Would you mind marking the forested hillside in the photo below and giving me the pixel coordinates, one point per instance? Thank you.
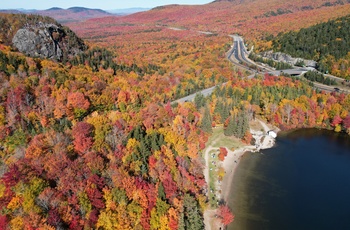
(327, 43)
(252, 19)
(81, 148)
(94, 142)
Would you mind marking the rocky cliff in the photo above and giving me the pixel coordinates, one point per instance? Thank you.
(45, 41)
(41, 37)
(282, 57)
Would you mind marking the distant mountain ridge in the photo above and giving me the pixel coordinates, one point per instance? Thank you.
(75, 14)
(72, 14)
(245, 16)
(253, 19)
(54, 8)
(128, 11)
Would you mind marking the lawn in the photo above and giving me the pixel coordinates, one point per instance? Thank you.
(218, 139)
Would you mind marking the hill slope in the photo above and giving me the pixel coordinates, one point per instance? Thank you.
(73, 14)
(253, 18)
(328, 43)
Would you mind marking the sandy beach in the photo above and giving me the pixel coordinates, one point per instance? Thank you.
(230, 164)
(233, 157)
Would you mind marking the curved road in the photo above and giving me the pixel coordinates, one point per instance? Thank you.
(238, 56)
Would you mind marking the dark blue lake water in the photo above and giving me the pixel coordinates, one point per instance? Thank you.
(302, 183)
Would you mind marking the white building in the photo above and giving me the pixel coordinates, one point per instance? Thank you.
(272, 134)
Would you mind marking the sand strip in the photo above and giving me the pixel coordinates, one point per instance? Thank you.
(230, 165)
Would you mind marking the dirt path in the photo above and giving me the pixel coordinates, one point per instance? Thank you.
(209, 214)
(230, 165)
(268, 141)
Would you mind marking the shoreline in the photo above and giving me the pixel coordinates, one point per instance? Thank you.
(233, 158)
(230, 165)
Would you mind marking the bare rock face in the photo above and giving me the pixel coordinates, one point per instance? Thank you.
(47, 41)
(282, 57)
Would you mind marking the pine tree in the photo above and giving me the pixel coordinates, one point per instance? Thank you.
(199, 100)
(207, 121)
(193, 217)
(242, 124)
(181, 222)
(231, 127)
(225, 112)
(161, 192)
(245, 123)
(238, 130)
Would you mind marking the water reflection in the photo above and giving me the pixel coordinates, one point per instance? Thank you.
(302, 183)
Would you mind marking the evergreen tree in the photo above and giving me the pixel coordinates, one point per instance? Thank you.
(181, 222)
(225, 113)
(245, 124)
(206, 124)
(193, 217)
(238, 125)
(161, 192)
(238, 129)
(218, 107)
(231, 127)
(199, 100)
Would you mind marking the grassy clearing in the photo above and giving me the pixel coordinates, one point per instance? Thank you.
(255, 125)
(218, 139)
(213, 177)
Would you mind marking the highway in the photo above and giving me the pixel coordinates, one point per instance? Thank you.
(238, 56)
(237, 53)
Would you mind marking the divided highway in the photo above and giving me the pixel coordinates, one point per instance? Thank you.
(238, 56)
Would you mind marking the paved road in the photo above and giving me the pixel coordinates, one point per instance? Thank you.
(205, 92)
(238, 56)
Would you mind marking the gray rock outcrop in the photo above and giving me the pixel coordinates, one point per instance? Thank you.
(282, 57)
(45, 41)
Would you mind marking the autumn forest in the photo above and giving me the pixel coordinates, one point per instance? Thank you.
(93, 140)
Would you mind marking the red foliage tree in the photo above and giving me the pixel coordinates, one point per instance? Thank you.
(145, 219)
(247, 137)
(12, 176)
(3, 222)
(169, 185)
(222, 154)
(225, 214)
(93, 218)
(53, 218)
(77, 100)
(95, 185)
(169, 110)
(346, 122)
(336, 120)
(75, 223)
(81, 133)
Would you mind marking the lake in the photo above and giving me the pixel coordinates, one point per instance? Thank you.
(301, 183)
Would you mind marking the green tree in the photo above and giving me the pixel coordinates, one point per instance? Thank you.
(199, 100)
(231, 127)
(193, 217)
(206, 124)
